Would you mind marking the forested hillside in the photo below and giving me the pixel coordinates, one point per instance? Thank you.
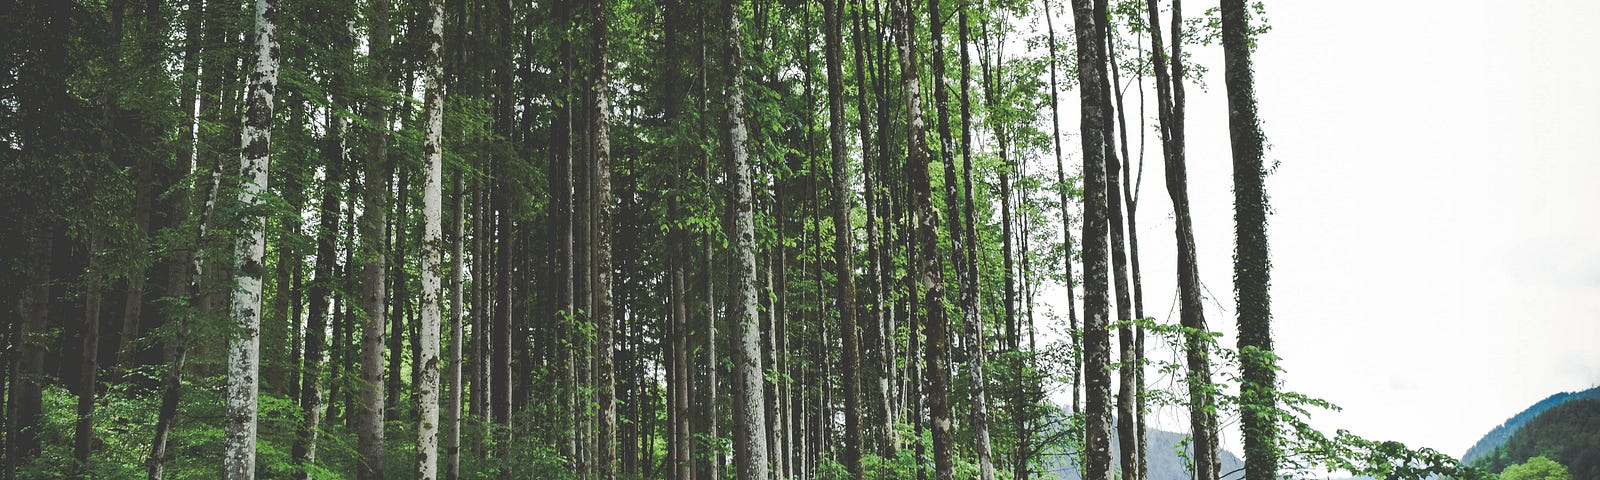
(1568, 434)
(1497, 437)
(625, 239)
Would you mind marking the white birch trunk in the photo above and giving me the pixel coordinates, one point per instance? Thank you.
(239, 457)
(432, 247)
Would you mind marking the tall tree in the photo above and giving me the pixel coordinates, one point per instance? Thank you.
(1062, 189)
(969, 288)
(369, 415)
(1097, 458)
(427, 397)
(600, 149)
(931, 267)
(749, 422)
(1127, 367)
(843, 252)
(1252, 264)
(244, 344)
(1169, 90)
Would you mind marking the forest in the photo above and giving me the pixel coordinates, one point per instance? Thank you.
(637, 239)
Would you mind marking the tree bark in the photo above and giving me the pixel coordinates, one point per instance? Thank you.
(304, 451)
(750, 427)
(1095, 248)
(931, 267)
(239, 456)
(1252, 264)
(1169, 86)
(370, 414)
(844, 231)
(1066, 223)
(605, 381)
(978, 362)
(427, 392)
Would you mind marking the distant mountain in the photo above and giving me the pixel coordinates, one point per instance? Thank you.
(1500, 434)
(1164, 462)
(1568, 433)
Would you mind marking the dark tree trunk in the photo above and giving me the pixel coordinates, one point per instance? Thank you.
(843, 250)
(1252, 265)
(931, 267)
(1169, 87)
(969, 292)
(1097, 458)
(305, 446)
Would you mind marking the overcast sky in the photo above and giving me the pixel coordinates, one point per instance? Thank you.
(1435, 241)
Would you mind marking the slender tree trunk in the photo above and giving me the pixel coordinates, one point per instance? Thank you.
(750, 428)
(1095, 247)
(186, 270)
(370, 414)
(680, 445)
(931, 267)
(1130, 189)
(89, 368)
(25, 396)
(239, 459)
(1128, 380)
(843, 251)
(427, 392)
(1252, 264)
(398, 283)
(458, 317)
(876, 342)
(1066, 224)
(305, 447)
(978, 362)
(601, 149)
(1169, 88)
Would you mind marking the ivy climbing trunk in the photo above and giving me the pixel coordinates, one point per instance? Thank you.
(1252, 264)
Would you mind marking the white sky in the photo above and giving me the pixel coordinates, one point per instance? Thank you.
(1435, 239)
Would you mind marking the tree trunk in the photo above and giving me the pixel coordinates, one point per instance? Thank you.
(305, 446)
(1126, 424)
(1252, 265)
(843, 251)
(750, 427)
(427, 392)
(1095, 248)
(605, 381)
(931, 267)
(1130, 190)
(1066, 224)
(239, 459)
(1169, 88)
(369, 418)
(979, 359)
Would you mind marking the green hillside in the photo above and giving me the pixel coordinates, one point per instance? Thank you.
(1568, 433)
(1497, 437)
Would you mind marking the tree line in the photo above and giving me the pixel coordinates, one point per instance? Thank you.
(613, 239)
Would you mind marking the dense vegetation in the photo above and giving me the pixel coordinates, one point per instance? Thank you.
(1498, 436)
(1568, 434)
(618, 239)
